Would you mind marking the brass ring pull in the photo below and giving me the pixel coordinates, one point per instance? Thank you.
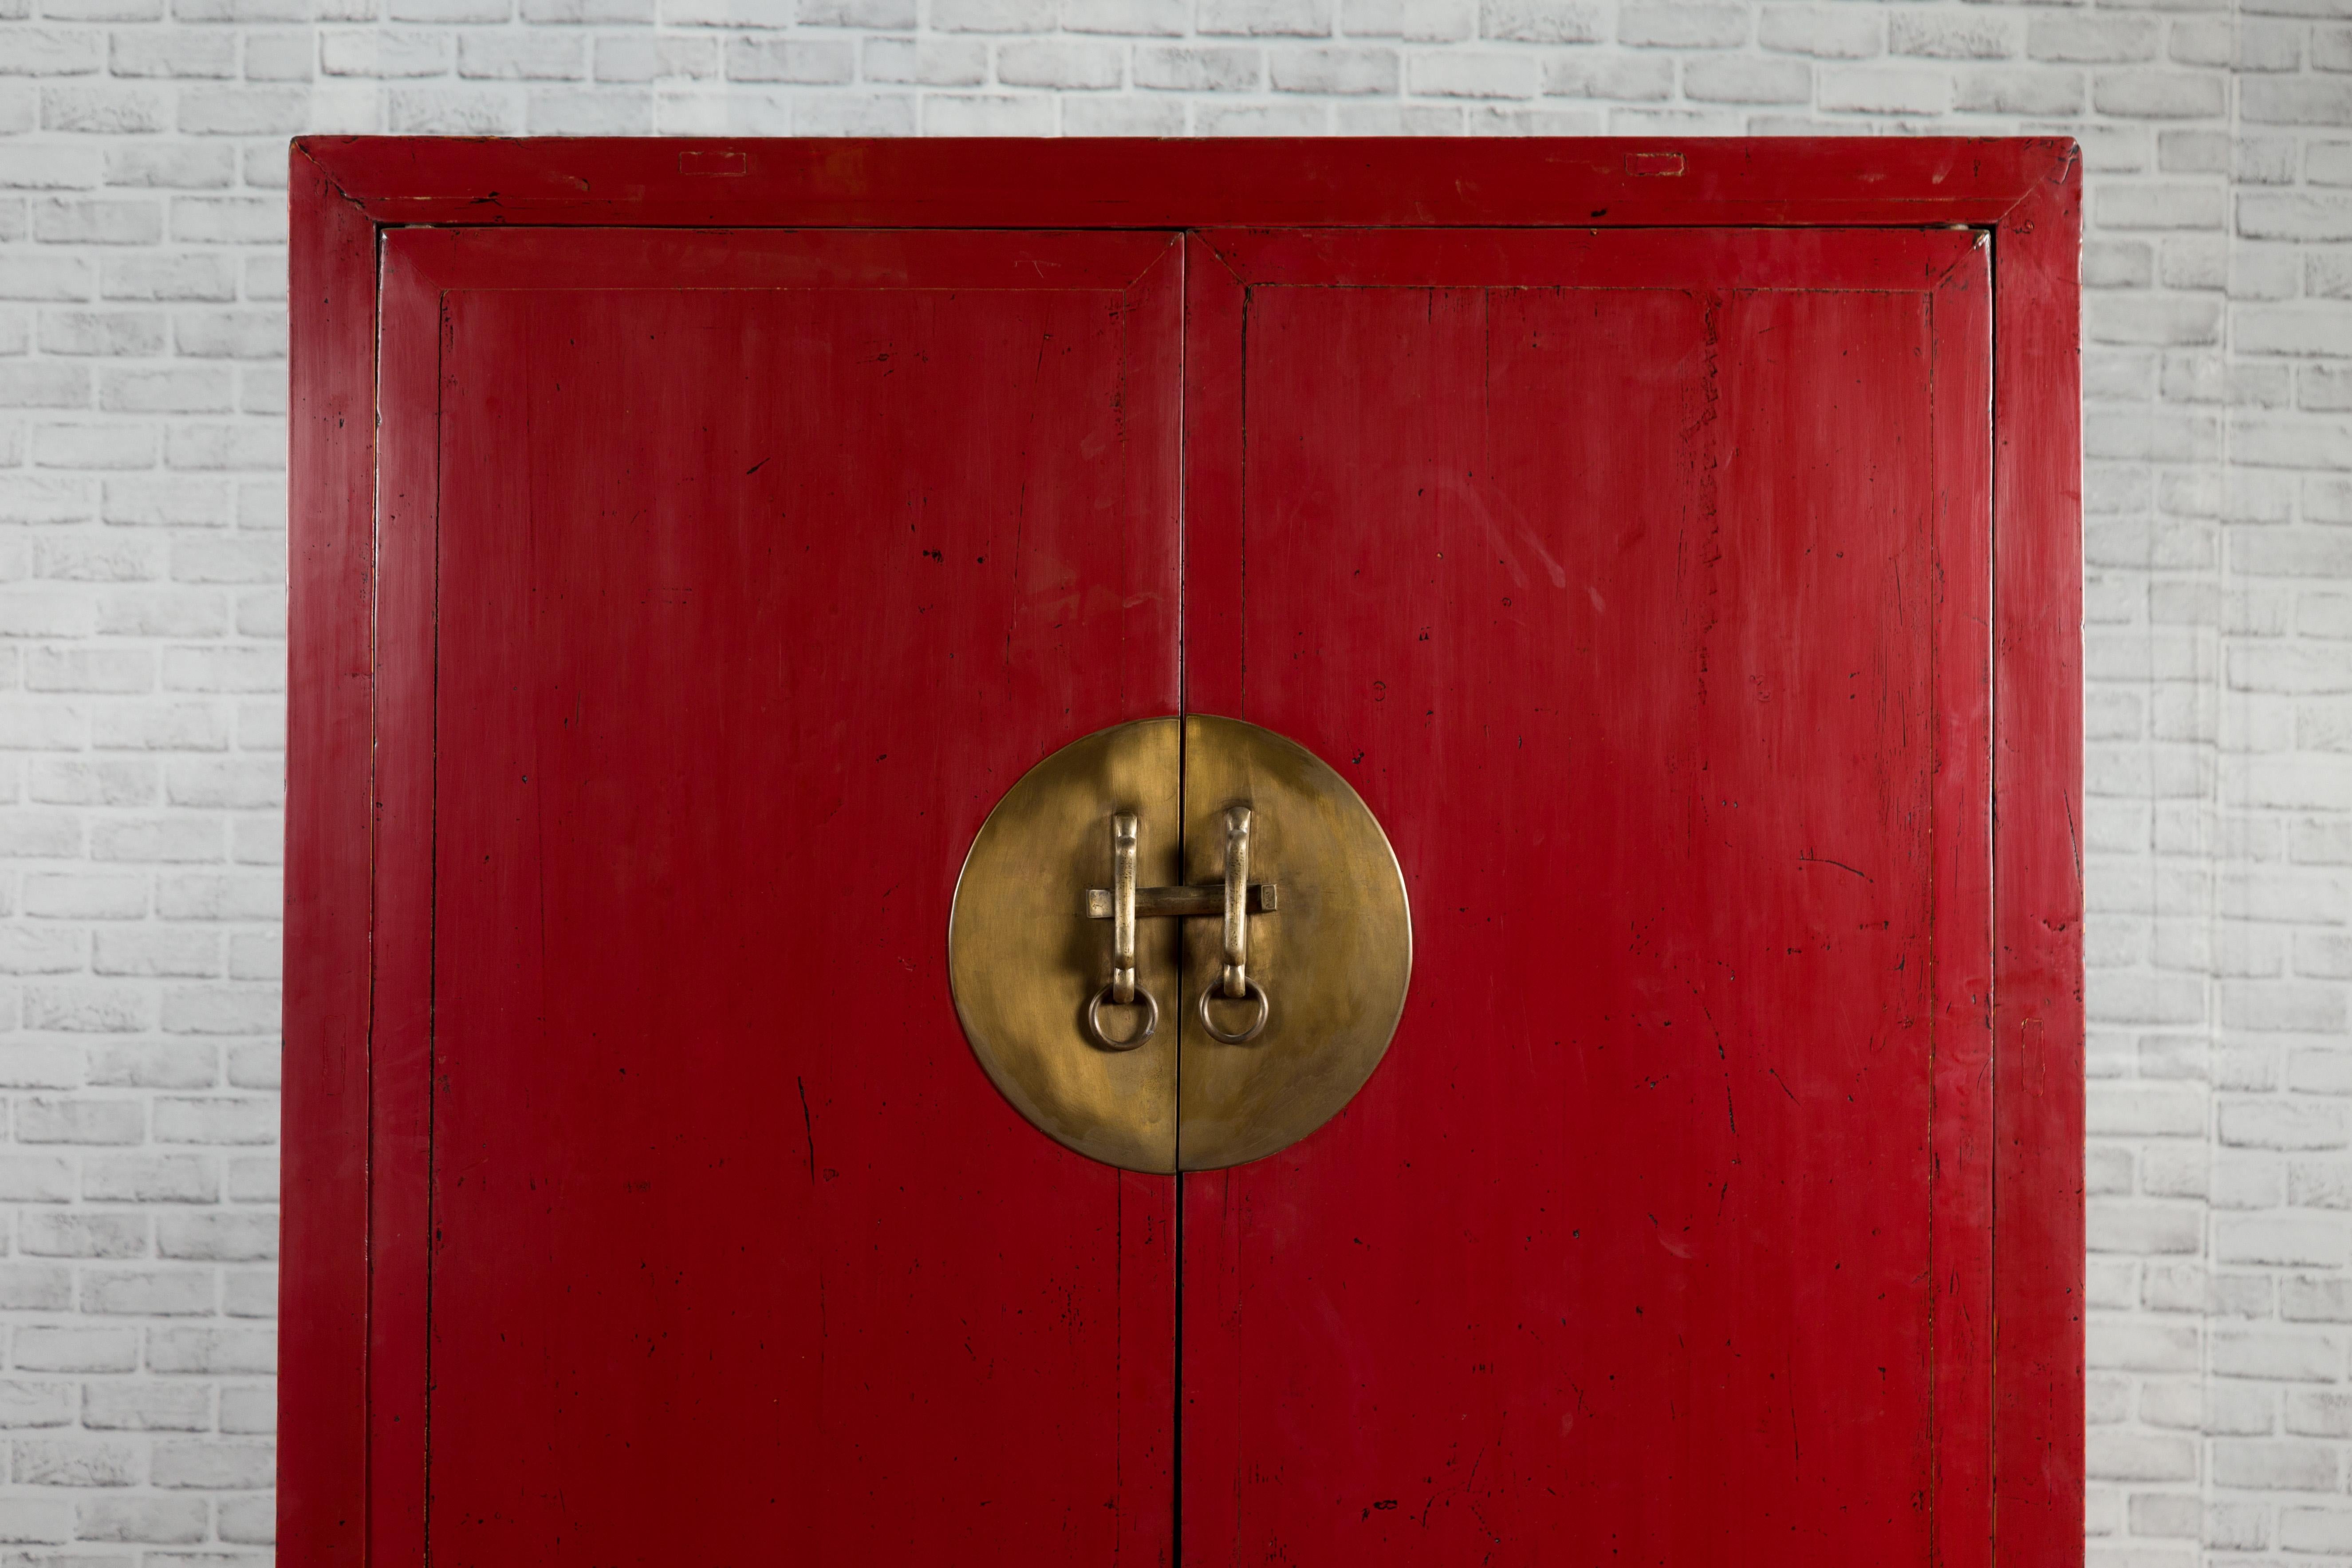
(1250, 988)
(1150, 1019)
(1122, 991)
(1234, 985)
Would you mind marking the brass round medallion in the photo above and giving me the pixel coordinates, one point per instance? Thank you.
(1273, 967)
(1026, 959)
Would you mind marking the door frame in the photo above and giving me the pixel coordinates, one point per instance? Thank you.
(2025, 192)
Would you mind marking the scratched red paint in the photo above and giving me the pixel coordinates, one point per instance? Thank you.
(1645, 598)
(724, 1213)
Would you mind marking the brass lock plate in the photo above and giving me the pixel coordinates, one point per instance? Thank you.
(1319, 918)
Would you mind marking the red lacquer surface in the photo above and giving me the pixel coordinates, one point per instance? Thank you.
(569, 713)
(1642, 587)
(751, 600)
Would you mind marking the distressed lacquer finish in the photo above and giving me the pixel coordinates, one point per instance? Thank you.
(360, 1196)
(1641, 586)
(750, 601)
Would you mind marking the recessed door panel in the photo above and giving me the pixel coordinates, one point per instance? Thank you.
(765, 563)
(1640, 584)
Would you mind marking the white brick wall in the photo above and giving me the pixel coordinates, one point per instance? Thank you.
(141, 608)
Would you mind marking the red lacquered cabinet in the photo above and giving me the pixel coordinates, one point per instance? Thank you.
(1674, 546)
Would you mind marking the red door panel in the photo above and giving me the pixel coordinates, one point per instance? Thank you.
(1641, 584)
(764, 564)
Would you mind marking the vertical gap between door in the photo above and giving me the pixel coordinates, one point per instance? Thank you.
(1183, 579)
(1176, 1429)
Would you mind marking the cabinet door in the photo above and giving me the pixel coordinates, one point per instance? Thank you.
(728, 580)
(1640, 581)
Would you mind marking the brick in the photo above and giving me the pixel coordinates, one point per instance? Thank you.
(173, 840)
(934, 62)
(154, 1064)
(105, 109)
(33, 834)
(2089, 39)
(2144, 1228)
(2282, 1005)
(1456, 73)
(36, 1179)
(215, 1120)
(1060, 63)
(2275, 1466)
(790, 60)
(1828, 32)
(1296, 18)
(2132, 1456)
(1543, 21)
(2294, 101)
(213, 1464)
(522, 57)
(44, 1349)
(1335, 70)
(149, 1179)
(899, 14)
(162, 1519)
(25, 1404)
(1634, 78)
(249, 1292)
(386, 53)
(2293, 330)
(93, 781)
(35, 1520)
(249, 1519)
(35, 1288)
(1293, 119)
(248, 1409)
(2171, 205)
(148, 1292)
(1884, 90)
(991, 114)
(147, 1407)
(2019, 89)
(42, 1120)
(2285, 1240)
(2315, 1529)
(1208, 67)
(2278, 1354)
(1967, 36)
(46, 278)
(2158, 94)
(215, 1351)
(229, 896)
(1724, 79)
(2144, 1346)
(629, 57)
(1683, 26)
(175, 52)
(253, 1179)
(455, 112)
(993, 16)
(41, 384)
(1420, 21)
(53, 51)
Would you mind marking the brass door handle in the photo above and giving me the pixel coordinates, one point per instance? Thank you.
(1235, 982)
(1122, 991)
(1123, 902)
(1062, 959)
